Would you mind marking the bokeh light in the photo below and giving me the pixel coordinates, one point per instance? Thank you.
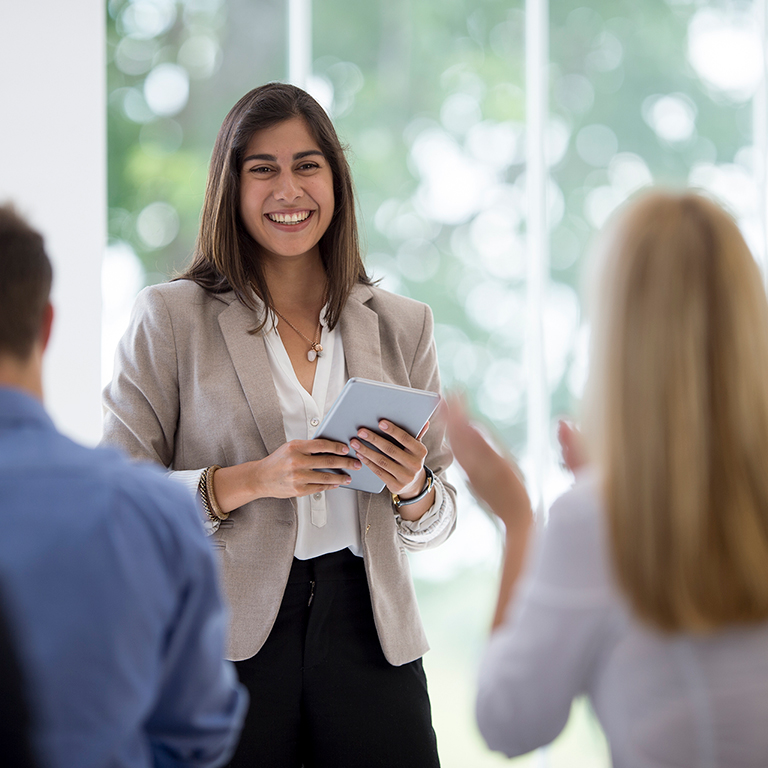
(166, 89)
(724, 48)
(157, 224)
(146, 19)
(672, 117)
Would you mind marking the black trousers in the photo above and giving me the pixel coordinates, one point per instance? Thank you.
(322, 693)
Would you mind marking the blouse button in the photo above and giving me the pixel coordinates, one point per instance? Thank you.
(317, 496)
(314, 422)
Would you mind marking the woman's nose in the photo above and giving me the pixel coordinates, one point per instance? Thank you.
(287, 187)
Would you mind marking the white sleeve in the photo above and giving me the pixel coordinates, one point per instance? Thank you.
(439, 521)
(190, 479)
(418, 534)
(543, 654)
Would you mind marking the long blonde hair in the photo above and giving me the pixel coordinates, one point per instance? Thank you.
(676, 411)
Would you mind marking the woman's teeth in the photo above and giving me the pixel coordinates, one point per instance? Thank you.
(289, 218)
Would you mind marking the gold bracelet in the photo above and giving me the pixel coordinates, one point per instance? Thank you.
(212, 509)
(217, 510)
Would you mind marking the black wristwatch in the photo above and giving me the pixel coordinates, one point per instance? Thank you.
(398, 502)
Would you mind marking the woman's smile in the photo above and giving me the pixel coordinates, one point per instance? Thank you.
(290, 219)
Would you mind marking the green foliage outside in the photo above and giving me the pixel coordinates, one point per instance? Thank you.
(400, 71)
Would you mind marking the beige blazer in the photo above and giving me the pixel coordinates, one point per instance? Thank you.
(193, 388)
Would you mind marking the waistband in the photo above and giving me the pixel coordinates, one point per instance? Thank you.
(334, 566)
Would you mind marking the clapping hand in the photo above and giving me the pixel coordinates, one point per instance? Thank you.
(495, 479)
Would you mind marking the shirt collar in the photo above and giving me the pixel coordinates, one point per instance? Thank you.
(18, 407)
(273, 319)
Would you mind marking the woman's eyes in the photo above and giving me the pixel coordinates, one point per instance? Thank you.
(263, 170)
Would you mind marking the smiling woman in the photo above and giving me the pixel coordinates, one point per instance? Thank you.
(223, 376)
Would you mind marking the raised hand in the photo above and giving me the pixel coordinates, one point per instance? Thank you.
(495, 479)
(572, 445)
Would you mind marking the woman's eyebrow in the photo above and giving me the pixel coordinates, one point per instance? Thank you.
(273, 159)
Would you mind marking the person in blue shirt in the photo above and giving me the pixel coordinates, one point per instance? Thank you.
(110, 584)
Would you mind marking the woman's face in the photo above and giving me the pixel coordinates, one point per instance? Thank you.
(286, 191)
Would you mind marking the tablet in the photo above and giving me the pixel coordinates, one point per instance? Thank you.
(363, 403)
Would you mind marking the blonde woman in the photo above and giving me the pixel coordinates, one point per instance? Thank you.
(648, 588)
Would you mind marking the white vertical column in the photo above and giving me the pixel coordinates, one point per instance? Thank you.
(299, 42)
(537, 241)
(53, 168)
(760, 136)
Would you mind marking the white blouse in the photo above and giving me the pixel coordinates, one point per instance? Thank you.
(666, 701)
(327, 521)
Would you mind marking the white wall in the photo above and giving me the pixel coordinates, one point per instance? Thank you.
(53, 167)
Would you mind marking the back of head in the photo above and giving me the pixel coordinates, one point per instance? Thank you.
(25, 285)
(676, 410)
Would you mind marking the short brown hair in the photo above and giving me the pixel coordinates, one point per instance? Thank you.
(25, 284)
(677, 412)
(226, 257)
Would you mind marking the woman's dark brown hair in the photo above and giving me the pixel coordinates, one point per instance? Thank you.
(226, 257)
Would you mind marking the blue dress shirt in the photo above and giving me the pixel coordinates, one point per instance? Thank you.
(112, 595)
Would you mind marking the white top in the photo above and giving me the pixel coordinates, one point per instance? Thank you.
(327, 521)
(673, 701)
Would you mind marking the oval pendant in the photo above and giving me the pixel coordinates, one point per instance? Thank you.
(311, 355)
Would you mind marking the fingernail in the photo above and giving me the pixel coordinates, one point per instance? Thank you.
(362, 433)
(347, 481)
(357, 465)
(384, 425)
(354, 444)
(344, 449)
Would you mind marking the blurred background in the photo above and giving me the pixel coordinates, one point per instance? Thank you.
(430, 97)
(433, 98)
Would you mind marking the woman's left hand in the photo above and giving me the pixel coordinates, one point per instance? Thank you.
(401, 469)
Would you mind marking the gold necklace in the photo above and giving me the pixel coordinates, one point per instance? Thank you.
(315, 347)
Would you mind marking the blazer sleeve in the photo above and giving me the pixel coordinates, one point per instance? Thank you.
(141, 403)
(439, 522)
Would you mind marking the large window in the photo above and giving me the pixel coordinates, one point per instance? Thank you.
(431, 98)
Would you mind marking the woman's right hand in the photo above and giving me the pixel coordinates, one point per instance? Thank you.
(287, 473)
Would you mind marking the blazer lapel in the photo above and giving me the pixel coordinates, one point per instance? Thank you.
(249, 356)
(359, 326)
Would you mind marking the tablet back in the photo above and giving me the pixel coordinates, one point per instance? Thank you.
(363, 403)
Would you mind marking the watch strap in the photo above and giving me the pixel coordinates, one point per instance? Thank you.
(398, 502)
